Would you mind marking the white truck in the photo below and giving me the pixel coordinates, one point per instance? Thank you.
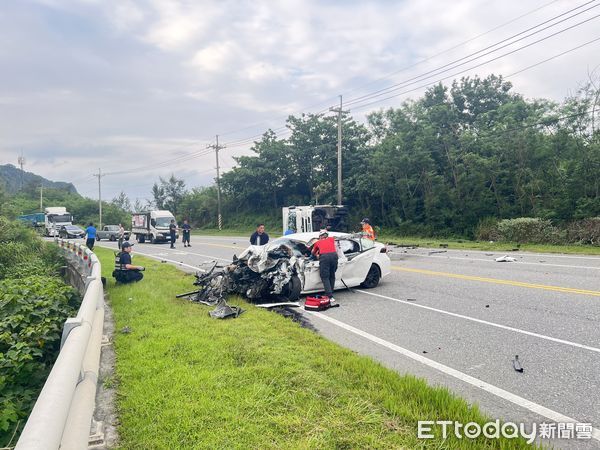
(304, 219)
(152, 226)
(54, 218)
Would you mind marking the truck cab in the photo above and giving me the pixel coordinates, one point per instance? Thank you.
(56, 217)
(152, 226)
(305, 219)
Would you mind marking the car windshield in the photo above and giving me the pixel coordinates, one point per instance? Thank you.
(72, 228)
(61, 218)
(112, 228)
(163, 221)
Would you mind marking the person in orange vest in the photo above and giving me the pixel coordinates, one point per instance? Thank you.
(367, 229)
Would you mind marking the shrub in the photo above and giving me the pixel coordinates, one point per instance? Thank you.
(487, 230)
(34, 309)
(529, 230)
(584, 231)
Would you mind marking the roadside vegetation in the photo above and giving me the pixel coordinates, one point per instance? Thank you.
(185, 380)
(34, 303)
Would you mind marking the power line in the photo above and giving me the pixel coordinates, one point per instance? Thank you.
(457, 63)
(459, 73)
(429, 58)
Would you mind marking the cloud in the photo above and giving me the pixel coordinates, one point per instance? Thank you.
(107, 83)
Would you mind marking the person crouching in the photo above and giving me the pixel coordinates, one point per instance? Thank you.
(125, 272)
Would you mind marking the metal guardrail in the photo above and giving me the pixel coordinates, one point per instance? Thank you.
(62, 415)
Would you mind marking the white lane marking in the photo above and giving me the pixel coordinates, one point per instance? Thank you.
(499, 392)
(485, 322)
(491, 260)
(161, 254)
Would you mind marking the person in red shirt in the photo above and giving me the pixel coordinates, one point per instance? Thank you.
(325, 250)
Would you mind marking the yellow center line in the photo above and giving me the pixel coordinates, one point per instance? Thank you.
(499, 281)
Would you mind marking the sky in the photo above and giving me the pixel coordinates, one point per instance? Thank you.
(139, 89)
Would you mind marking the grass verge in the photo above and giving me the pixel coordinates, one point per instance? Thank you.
(455, 243)
(185, 380)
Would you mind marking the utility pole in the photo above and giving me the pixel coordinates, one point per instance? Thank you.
(21, 161)
(41, 198)
(218, 147)
(99, 175)
(339, 151)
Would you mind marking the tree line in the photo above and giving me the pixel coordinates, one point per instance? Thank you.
(441, 164)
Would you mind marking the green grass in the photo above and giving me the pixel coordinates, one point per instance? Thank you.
(185, 380)
(456, 243)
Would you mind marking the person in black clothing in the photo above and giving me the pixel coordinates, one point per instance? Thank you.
(125, 272)
(259, 237)
(173, 232)
(186, 233)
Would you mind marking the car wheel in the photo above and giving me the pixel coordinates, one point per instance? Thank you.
(97, 238)
(142, 239)
(373, 278)
(112, 238)
(291, 291)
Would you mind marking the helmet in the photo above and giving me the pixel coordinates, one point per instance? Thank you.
(365, 220)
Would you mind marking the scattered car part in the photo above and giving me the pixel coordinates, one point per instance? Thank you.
(517, 364)
(505, 258)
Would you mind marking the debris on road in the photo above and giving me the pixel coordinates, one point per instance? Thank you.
(487, 306)
(257, 275)
(125, 330)
(277, 305)
(517, 364)
(437, 251)
(411, 299)
(318, 303)
(224, 311)
(505, 258)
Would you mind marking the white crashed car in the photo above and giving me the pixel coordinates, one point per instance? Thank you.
(361, 262)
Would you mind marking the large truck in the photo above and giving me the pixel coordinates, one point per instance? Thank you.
(54, 218)
(152, 226)
(303, 219)
(35, 220)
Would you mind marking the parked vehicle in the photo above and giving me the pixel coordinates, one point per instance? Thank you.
(54, 218)
(152, 226)
(305, 219)
(110, 232)
(70, 232)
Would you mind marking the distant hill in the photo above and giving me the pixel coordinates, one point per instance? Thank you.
(10, 179)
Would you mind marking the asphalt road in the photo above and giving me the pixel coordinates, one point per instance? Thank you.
(458, 318)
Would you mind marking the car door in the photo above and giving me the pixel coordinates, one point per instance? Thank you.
(359, 258)
(312, 277)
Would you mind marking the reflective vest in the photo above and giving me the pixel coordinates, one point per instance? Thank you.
(368, 231)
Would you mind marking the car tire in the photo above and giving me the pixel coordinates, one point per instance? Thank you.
(97, 238)
(373, 277)
(142, 239)
(291, 291)
(112, 238)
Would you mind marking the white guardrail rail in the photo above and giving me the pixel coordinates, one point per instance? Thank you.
(62, 415)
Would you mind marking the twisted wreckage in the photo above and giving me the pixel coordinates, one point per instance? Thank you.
(259, 274)
(283, 269)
